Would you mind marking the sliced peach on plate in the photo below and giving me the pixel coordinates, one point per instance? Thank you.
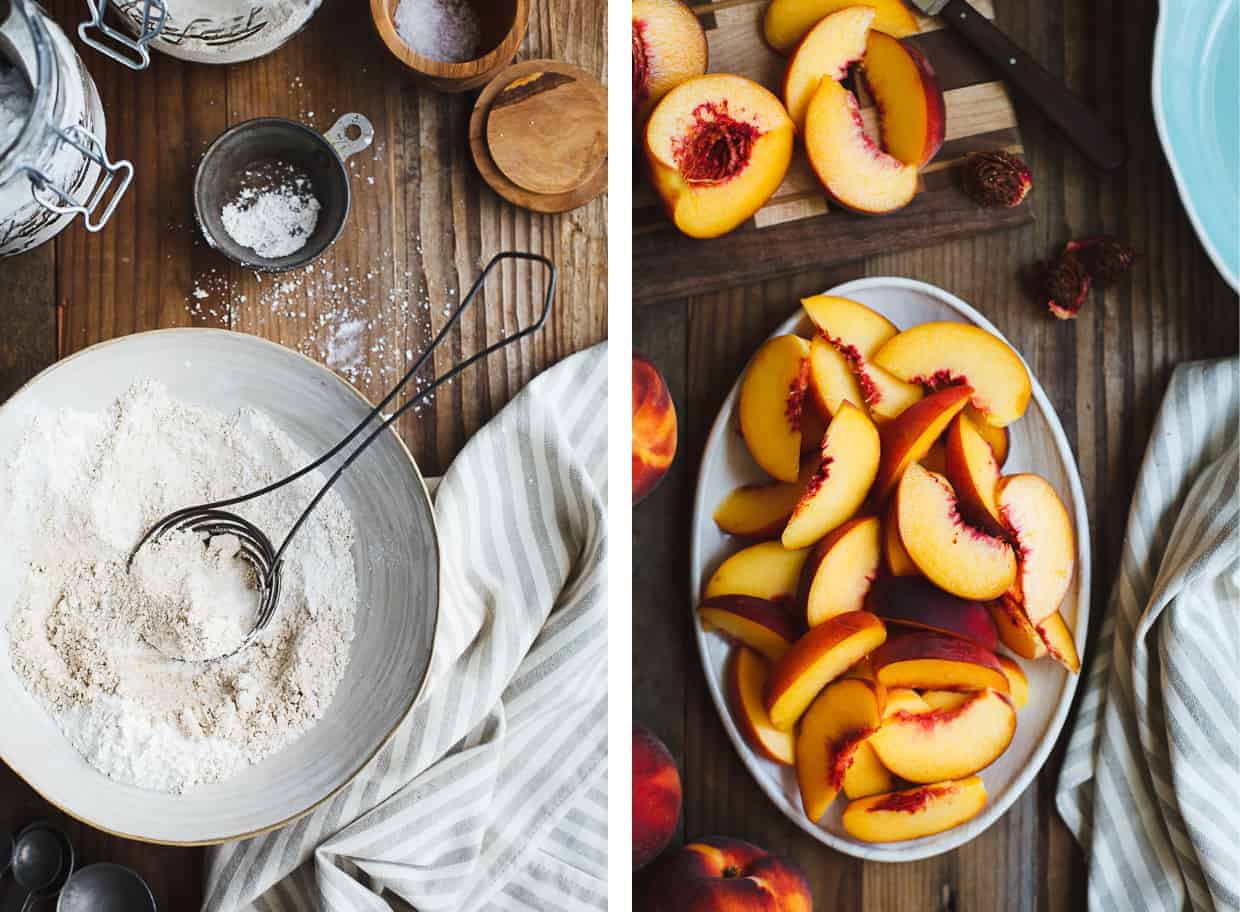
(787, 22)
(759, 510)
(831, 379)
(935, 459)
(1042, 531)
(839, 720)
(813, 427)
(955, 738)
(915, 812)
(973, 471)
(1059, 643)
(1015, 630)
(817, 659)
(888, 396)
(766, 570)
(669, 46)
(999, 438)
(746, 680)
(932, 661)
(903, 699)
(856, 330)
(846, 469)
(827, 52)
(953, 555)
(718, 146)
(906, 92)
(915, 603)
(1018, 681)
(941, 354)
(761, 624)
(895, 558)
(908, 438)
(866, 775)
(851, 167)
(839, 570)
(772, 397)
(947, 699)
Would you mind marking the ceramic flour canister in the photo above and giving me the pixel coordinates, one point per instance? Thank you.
(54, 165)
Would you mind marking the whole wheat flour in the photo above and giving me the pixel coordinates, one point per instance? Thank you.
(75, 497)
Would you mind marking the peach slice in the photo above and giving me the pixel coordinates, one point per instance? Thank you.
(766, 570)
(840, 719)
(916, 812)
(889, 396)
(839, 570)
(895, 558)
(851, 167)
(932, 661)
(669, 46)
(947, 742)
(999, 438)
(831, 379)
(857, 330)
(866, 775)
(760, 624)
(908, 438)
(747, 673)
(1042, 531)
(903, 699)
(952, 554)
(788, 21)
(772, 397)
(760, 510)
(828, 51)
(817, 659)
(1018, 682)
(846, 469)
(915, 603)
(948, 699)
(971, 468)
(654, 427)
(937, 355)
(718, 146)
(1059, 643)
(906, 91)
(935, 459)
(1015, 631)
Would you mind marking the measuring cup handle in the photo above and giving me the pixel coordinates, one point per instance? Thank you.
(338, 135)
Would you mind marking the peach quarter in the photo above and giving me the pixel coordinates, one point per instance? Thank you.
(910, 103)
(947, 742)
(828, 51)
(746, 680)
(760, 624)
(771, 401)
(1042, 531)
(787, 22)
(840, 569)
(760, 510)
(766, 570)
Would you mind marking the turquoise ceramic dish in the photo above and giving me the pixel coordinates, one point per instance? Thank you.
(1196, 72)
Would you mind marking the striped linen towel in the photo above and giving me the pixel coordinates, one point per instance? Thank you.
(492, 793)
(1150, 784)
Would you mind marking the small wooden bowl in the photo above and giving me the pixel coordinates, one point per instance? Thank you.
(503, 24)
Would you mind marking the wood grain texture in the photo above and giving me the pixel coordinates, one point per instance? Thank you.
(422, 226)
(1104, 373)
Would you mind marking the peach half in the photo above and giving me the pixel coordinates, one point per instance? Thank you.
(840, 719)
(911, 436)
(971, 467)
(1015, 631)
(1042, 531)
(940, 354)
(828, 51)
(669, 46)
(910, 102)
(766, 570)
(718, 146)
(746, 679)
(932, 661)
(760, 624)
(947, 742)
(760, 510)
(840, 569)
(771, 400)
(817, 659)
(1059, 643)
(952, 554)
(852, 168)
(913, 602)
(846, 469)
(916, 812)
(787, 22)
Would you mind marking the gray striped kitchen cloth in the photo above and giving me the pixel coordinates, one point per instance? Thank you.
(492, 793)
(1150, 784)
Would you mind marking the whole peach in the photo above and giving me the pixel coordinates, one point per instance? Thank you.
(654, 427)
(656, 796)
(718, 874)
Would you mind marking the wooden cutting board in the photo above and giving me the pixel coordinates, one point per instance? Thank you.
(796, 229)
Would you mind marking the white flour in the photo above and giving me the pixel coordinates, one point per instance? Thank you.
(276, 220)
(14, 103)
(74, 499)
(445, 30)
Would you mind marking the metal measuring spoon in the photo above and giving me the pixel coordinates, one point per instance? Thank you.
(42, 861)
(105, 887)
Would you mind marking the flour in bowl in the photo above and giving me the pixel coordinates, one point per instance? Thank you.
(75, 497)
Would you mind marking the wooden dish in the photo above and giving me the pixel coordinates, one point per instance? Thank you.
(503, 24)
(514, 117)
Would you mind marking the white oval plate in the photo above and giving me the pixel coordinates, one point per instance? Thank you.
(1038, 445)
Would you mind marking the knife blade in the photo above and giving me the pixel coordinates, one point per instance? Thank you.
(1075, 120)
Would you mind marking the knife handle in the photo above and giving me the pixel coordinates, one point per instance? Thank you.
(1067, 112)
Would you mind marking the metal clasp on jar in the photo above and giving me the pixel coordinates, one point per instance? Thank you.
(90, 148)
(126, 50)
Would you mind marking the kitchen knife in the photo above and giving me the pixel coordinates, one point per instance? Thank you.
(1077, 122)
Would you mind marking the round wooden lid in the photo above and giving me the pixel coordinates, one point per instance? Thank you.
(539, 135)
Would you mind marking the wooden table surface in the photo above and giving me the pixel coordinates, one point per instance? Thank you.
(1104, 374)
(423, 223)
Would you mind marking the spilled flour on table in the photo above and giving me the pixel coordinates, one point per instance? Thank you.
(75, 497)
